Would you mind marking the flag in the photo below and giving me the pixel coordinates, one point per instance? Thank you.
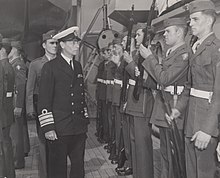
(63, 4)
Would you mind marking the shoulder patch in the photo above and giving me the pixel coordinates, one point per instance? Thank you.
(18, 67)
(185, 56)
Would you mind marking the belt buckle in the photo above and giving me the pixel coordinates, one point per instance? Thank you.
(210, 97)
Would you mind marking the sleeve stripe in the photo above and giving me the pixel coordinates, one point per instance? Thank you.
(48, 123)
(46, 119)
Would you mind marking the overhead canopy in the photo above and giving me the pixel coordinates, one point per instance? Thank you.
(120, 11)
(28, 19)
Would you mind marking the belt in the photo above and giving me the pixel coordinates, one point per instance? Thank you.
(131, 82)
(201, 94)
(9, 94)
(100, 80)
(119, 82)
(170, 89)
(109, 82)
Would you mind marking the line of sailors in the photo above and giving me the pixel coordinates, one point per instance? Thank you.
(189, 75)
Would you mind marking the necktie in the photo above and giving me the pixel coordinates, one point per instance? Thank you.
(168, 52)
(71, 64)
(195, 46)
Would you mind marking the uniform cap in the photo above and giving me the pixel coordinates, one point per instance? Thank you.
(68, 34)
(48, 35)
(174, 21)
(16, 44)
(200, 5)
(138, 26)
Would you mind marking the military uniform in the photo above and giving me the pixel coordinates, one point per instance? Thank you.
(63, 109)
(140, 130)
(17, 128)
(101, 96)
(110, 70)
(32, 92)
(7, 82)
(203, 104)
(173, 71)
(116, 95)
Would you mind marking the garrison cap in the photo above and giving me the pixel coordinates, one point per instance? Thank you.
(200, 5)
(68, 34)
(16, 44)
(174, 21)
(48, 35)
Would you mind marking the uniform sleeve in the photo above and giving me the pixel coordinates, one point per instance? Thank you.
(214, 110)
(31, 81)
(45, 102)
(167, 76)
(1, 98)
(130, 68)
(20, 83)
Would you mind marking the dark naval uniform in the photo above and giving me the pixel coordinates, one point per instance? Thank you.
(140, 130)
(17, 130)
(172, 71)
(7, 82)
(32, 92)
(63, 109)
(203, 107)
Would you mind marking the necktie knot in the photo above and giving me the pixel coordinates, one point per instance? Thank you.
(71, 64)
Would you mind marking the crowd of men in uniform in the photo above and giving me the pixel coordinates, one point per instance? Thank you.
(181, 72)
(53, 94)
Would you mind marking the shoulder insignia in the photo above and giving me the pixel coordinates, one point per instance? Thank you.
(18, 67)
(185, 56)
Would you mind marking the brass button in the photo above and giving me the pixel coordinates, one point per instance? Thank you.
(72, 112)
(72, 94)
(72, 103)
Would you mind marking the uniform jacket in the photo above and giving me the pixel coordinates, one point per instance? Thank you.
(7, 82)
(173, 70)
(20, 70)
(116, 91)
(61, 103)
(33, 82)
(101, 86)
(204, 75)
(142, 107)
(110, 72)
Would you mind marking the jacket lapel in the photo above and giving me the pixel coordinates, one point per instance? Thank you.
(202, 47)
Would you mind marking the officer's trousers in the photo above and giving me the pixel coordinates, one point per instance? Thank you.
(8, 152)
(201, 164)
(118, 125)
(72, 146)
(142, 148)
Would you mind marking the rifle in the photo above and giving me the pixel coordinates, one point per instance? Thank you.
(148, 36)
(128, 49)
(176, 142)
(121, 153)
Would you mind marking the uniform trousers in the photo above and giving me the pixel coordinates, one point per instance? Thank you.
(118, 125)
(8, 152)
(127, 139)
(27, 146)
(104, 119)
(201, 164)
(72, 146)
(165, 152)
(142, 148)
(110, 122)
(18, 142)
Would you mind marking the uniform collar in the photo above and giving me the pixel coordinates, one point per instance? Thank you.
(173, 48)
(66, 58)
(204, 38)
(13, 59)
